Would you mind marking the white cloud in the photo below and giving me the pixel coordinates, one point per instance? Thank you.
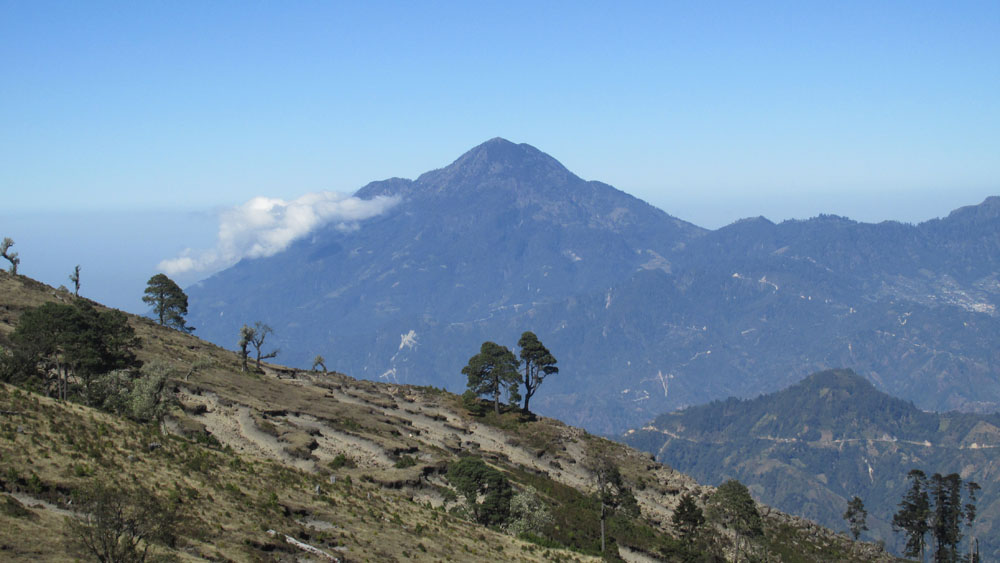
(265, 226)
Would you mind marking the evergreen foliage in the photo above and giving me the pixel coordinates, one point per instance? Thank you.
(688, 518)
(613, 493)
(168, 300)
(492, 371)
(732, 507)
(56, 342)
(856, 517)
(916, 517)
(538, 364)
(471, 477)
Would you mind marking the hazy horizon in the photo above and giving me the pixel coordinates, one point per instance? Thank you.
(160, 117)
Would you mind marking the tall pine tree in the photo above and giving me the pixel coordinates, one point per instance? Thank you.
(493, 370)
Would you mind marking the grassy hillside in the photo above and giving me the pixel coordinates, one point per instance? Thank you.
(251, 463)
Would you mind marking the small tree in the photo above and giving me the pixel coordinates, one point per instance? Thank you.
(688, 518)
(856, 517)
(319, 362)
(732, 506)
(970, 517)
(168, 300)
(528, 514)
(75, 278)
(258, 335)
(491, 371)
(613, 493)
(472, 478)
(120, 525)
(246, 336)
(538, 363)
(914, 510)
(74, 340)
(10, 256)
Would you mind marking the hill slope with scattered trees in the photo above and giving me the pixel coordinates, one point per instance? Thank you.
(281, 463)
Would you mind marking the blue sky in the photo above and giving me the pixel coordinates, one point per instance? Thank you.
(712, 111)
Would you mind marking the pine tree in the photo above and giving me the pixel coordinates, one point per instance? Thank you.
(688, 518)
(491, 371)
(613, 492)
(914, 511)
(538, 363)
(168, 300)
(732, 506)
(856, 517)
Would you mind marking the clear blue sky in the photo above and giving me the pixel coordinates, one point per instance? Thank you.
(709, 110)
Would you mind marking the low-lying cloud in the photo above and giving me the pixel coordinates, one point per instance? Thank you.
(265, 226)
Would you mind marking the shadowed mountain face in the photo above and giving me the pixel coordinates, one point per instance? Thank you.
(811, 447)
(645, 312)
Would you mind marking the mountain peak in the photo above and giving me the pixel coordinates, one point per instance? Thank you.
(499, 157)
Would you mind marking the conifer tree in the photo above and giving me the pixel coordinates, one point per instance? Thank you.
(688, 518)
(491, 371)
(856, 517)
(914, 510)
(168, 300)
(732, 506)
(538, 363)
(613, 492)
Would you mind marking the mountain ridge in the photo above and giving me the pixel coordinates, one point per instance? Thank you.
(646, 312)
(812, 446)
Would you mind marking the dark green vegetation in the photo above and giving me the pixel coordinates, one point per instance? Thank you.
(168, 300)
(68, 349)
(934, 506)
(856, 516)
(811, 448)
(261, 466)
(495, 369)
(538, 364)
(648, 313)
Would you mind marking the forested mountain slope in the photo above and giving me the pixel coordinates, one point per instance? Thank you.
(810, 448)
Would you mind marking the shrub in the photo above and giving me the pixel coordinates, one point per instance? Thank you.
(120, 524)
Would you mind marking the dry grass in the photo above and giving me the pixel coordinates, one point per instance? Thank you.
(312, 456)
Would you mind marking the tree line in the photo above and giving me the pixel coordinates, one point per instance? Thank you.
(935, 506)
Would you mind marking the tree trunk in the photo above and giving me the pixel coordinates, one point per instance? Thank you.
(527, 397)
(602, 527)
(496, 403)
